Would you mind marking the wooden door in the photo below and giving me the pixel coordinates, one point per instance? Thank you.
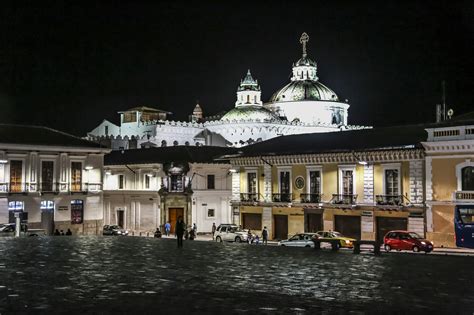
(348, 225)
(16, 176)
(120, 218)
(281, 227)
(314, 222)
(174, 214)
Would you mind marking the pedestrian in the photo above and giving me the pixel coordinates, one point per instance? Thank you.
(249, 237)
(157, 233)
(167, 228)
(180, 228)
(62, 232)
(56, 232)
(213, 229)
(264, 235)
(195, 229)
(68, 232)
(257, 240)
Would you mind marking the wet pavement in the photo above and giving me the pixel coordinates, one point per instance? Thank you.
(145, 275)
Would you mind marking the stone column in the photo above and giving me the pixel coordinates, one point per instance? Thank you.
(267, 220)
(416, 181)
(33, 181)
(236, 186)
(267, 183)
(369, 183)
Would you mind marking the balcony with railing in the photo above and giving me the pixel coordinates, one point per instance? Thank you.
(249, 197)
(343, 199)
(465, 196)
(49, 188)
(310, 198)
(287, 197)
(389, 200)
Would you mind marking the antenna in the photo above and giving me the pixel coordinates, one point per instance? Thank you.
(443, 87)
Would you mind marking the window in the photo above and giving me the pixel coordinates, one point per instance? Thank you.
(47, 175)
(47, 205)
(147, 181)
(315, 182)
(163, 143)
(211, 182)
(77, 211)
(16, 176)
(176, 183)
(467, 174)
(252, 183)
(210, 213)
(175, 143)
(391, 182)
(17, 206)
(285, 182)
(347, 182)
(467, 215)
(106, 130)
(186, 143)
(248, 98)
(76, 176)
(129, 117)
(121, 181)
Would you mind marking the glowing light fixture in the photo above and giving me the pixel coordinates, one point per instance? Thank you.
(108, 172)
(88, 168)
(232, 170)
(3, 161)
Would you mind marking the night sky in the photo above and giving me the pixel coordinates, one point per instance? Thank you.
(70, 66)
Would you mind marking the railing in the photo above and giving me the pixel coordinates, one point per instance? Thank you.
(389, 200)
(310, 198)
(464, 195)
(249, 197)
(45, 188)
(343, 199)
(282, 197)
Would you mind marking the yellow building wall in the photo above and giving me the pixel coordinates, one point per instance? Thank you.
(298, 170)
(359, 188)
(444, 178)
(378, 180)
(329, 178)
(275, 188)
(443, 226)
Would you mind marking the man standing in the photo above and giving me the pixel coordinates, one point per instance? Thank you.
(180, 228)
(213, 229)
(264, 235)
(167, 228)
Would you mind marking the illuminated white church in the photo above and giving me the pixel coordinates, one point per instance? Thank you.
(304, 105)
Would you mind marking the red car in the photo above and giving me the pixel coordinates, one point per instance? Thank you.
(405, 240)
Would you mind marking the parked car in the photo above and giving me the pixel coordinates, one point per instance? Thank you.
(333, 235)
(114, 230)
(230, 233)
(406, 240)
(300, 240)
(8, 229)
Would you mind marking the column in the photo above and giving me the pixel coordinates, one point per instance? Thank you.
(236, 186)
(267, 220)
(416, 181)
(33, 181)
(267, 183)
(369, 183)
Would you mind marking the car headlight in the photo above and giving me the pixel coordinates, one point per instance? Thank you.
(348, 242)
(118, 232)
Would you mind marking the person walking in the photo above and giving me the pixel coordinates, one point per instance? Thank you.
(213, 229)
(264, 235)
(167, 228)
(180, 228)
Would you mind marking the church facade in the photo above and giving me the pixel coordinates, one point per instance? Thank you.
(304, 105)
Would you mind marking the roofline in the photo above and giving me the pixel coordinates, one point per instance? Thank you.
(53, 148)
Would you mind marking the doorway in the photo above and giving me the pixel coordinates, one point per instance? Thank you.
(174, 214)
(47, 221)
(348, 225)
(385, 224)
(314, 222)
(281, 226)
(120, 218)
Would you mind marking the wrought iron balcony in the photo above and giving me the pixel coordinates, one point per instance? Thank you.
(282, 197)
(464, 195)
(344, 199)
(249, 197)
(310, 198)
(46, 188)
(390, 200)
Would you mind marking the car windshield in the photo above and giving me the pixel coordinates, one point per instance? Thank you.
(336, 234)
(114, 227)
(414, 235)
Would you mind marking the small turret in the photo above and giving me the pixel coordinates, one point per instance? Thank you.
(248, 92)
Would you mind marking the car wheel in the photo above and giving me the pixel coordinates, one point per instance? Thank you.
(283, 245)
(307, 246)
(387, 248)
(238, 240)
(218, 239)
(416, 249)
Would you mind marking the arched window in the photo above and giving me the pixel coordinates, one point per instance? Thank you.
(467, 175)
(186, 143)
(175, 143)
(163, 143)
(248, 98)
(255, 99)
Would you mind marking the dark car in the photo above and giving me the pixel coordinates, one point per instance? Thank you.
(114, 230)
(406, 240)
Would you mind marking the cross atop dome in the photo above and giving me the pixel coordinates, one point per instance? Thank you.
(303, 40)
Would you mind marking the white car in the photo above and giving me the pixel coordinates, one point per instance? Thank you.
(230, 233)
(300, 240)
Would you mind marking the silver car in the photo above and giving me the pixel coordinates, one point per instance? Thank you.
(300, 240)
(230, 233)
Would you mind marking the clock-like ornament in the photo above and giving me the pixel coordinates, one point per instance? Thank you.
(299, 182)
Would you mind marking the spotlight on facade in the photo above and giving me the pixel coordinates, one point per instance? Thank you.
(362, 162)
(232, 170)
(150, 175)
(88, 168)
(108, 172)
(3, 161)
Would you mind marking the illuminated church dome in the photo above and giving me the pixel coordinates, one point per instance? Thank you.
(249, 105)
(305, 98)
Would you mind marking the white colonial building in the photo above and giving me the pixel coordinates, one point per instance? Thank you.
(146, 188)
(304, 105)
(53, 179)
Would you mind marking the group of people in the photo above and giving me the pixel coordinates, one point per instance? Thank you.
(57, 232)
(181, 231)
(256, 239)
